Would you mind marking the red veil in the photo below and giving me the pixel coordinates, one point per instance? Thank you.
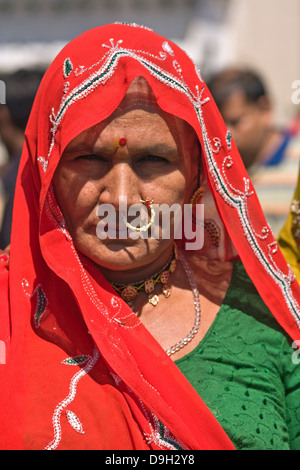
(80, 371)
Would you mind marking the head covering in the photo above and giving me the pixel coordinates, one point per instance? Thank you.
(289, 235)
(81, 370)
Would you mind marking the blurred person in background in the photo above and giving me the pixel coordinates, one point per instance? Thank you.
(21, 87)
(270, 154)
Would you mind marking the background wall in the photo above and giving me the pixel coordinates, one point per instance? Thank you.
(266, 35)
(262, 33)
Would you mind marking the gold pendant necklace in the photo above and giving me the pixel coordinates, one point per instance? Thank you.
(129, 292)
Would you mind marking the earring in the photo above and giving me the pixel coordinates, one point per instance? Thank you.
(197, 195)
(148, 204)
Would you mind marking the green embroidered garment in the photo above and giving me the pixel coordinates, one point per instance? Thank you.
(247, 373)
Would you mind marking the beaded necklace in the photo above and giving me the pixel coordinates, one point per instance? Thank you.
(188, 338)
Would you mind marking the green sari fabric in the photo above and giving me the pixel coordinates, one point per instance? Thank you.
(247, 373)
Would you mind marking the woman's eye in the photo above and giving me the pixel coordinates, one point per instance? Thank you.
(153, 158)
(90, 157)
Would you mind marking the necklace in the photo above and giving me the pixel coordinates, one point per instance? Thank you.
(177, 346)
(128, 292)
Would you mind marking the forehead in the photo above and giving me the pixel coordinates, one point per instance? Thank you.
(139, 95)
(237, 102)
(140, 119)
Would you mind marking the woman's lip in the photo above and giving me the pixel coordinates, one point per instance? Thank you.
(111, 225)
(117, 228)
(113, 232)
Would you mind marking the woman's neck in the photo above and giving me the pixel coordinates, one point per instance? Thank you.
(139, 270)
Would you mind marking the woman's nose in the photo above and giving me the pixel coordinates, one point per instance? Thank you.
(120, 183)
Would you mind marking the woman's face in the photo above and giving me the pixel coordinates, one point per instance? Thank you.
(158, 161)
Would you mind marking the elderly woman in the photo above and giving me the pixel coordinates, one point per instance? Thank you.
(117, 338)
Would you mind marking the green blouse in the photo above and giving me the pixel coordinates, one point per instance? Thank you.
(247, 373)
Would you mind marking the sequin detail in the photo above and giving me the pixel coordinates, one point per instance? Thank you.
(238, 199)
(75, 361)
(74, 422)
(61, 407)
(67, 67)
(43, 162)
(214, 232)
(228, 139)
(41, 306)
(108, 65)
(157, 434)
(41, 301)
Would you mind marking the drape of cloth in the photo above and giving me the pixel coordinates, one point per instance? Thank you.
(289, 235)
(78, 369)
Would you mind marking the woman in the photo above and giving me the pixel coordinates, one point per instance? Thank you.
(128, 342)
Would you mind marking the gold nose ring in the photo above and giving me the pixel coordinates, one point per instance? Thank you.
(148, 203)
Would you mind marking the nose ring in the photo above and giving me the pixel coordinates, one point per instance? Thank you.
(148, 203)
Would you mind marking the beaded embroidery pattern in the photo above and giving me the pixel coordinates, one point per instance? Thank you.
(232, 196)
(61, 407)
(238, 199)
(158, 433)
(41, 303)
(105, 72)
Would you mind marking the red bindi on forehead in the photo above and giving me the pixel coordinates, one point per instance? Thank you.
(122, 141)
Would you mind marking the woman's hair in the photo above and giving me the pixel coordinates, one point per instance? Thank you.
(230, 80)
(21, 88)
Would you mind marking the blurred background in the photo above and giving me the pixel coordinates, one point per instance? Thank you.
(260, 33)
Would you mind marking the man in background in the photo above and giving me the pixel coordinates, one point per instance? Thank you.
(271, 155)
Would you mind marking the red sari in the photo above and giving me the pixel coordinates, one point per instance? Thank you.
(80, 371)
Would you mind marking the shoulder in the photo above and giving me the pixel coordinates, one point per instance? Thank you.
(212, 277)
(243, 295)
(243, 291)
